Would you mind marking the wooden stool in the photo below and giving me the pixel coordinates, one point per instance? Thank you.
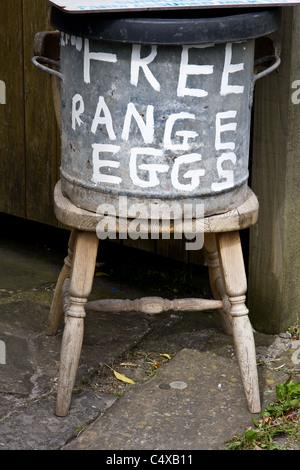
(225, 262)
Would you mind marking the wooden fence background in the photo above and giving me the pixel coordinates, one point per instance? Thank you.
(29, 140)
(30, 158)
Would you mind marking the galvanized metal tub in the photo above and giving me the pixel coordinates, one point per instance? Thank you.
(158, 109)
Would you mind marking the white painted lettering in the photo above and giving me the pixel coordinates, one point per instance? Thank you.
(169, 163)
(221, 128)
(194, 175)
(151, 168)
(77, 110)
(186, 135)
(88, 56)
(105, 119)
(146, 128)
(76, 42)
(230, 68)
(227, 174)
(187, 69)
(99, 177)
(137, 62)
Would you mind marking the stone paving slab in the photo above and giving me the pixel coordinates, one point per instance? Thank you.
(196, 402)
(193, 403)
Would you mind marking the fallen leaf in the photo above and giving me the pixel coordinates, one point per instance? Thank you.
(99, 273)
(156, 365)
(123, 377)
(166, 355)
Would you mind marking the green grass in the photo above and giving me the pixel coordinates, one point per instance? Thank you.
(280, 418)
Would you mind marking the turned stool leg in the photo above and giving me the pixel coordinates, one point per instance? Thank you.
(57, 310)
(215, 277)
(232, 262)
(82, 275)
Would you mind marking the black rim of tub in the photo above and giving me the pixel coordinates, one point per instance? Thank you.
(171, 27)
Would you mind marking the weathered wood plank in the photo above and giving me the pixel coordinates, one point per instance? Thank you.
(12, 154)
(274, 265)
(41, 133)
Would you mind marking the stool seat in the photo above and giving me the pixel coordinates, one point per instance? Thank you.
(239, 218)
(224, 259)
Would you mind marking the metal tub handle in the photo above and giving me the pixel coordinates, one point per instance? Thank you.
(39, 60)
(269, 69)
